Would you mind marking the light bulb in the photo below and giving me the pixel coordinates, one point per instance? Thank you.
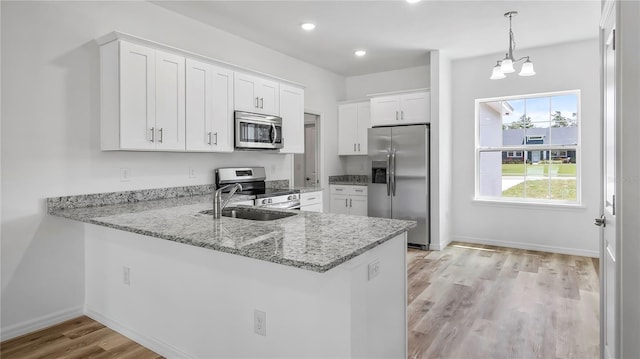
(360, 53)
(497, 73)
(507, 66)
(527, 69)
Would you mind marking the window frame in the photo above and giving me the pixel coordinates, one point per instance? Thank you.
(533, 147)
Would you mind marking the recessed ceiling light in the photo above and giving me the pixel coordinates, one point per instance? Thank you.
(360, 53)
(308, 26)
(413, 1)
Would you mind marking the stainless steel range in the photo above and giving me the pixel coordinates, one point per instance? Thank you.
(254, 185)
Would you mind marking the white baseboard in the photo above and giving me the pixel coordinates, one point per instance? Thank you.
(529, 246)
(42, 322)
(158, 346)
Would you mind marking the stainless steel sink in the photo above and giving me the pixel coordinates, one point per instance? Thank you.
(252, 214)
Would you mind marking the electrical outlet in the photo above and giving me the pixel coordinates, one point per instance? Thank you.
(260, 322)
(374, 269)
(125, 175)
(126, 275)
(192, 173)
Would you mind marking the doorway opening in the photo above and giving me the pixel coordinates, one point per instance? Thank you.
(306, 166)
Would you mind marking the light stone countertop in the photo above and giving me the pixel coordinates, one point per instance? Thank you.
(308, 240)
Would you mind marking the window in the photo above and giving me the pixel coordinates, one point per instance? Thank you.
(528, 148)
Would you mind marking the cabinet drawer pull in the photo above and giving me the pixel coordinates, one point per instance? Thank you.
(311, 198)
(339, 189)
(153, 134)
(359, 190)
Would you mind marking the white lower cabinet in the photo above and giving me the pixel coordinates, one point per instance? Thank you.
(311, 201)
(347, 199)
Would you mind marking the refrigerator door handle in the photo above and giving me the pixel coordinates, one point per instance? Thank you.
(388, 179)
(393, 172)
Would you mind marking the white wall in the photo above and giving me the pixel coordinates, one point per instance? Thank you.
(50, 137)
(358, 87)
(442, 142)
(387, 81)
(564, 67)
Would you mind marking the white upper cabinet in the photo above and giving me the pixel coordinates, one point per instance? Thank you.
(142, 98)
(256, 94)
(170, 101)
(400, 109)
(353, 121)
(292, 113)
(209, 110)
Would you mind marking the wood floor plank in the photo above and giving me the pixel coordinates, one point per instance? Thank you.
(492, 302)
(74, 339)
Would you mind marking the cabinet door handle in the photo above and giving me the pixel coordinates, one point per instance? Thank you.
(358, 147)
(311, 198)
(161, 135)
(216, 135)
(209, 142)
(396, 115)
(257, 99)
(346, 202)
(402, 115)
(261, 102)
(153, 134)
(354, 147)
(350, 203)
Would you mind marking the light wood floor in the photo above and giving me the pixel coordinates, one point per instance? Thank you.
(474, 301)
(77, 338)
(467, 301)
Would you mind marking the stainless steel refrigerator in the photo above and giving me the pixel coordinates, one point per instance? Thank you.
(399, 183)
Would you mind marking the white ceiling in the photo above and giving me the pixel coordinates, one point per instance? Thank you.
(394, 33)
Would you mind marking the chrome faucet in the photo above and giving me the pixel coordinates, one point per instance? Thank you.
(218, 204)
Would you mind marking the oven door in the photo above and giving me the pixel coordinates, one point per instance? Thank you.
(254, 131)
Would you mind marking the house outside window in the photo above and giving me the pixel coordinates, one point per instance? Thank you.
(528, 148)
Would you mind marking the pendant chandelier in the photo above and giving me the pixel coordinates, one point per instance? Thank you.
(505, 65)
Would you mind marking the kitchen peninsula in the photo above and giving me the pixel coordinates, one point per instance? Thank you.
(186, 285)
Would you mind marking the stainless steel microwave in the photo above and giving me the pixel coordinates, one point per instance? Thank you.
(258, 132)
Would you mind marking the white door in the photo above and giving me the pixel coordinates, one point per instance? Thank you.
(414, 108)
(268, 92)
(340, 203)
(609, 315)
(170, 101)
(221, 137)
(385, 110)
(310, 178)
(198, 95)
(358, 205)
(245, 93)
(347, 129)
(137, 97)
(292, 113)
(364, 123)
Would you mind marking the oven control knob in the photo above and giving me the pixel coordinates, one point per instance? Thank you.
(264, 201)
(269, 200)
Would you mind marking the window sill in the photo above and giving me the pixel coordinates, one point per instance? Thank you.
(541, 205)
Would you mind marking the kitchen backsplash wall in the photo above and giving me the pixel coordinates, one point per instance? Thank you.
(357, 165)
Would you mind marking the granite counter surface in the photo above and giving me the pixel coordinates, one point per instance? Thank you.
(308, 240)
